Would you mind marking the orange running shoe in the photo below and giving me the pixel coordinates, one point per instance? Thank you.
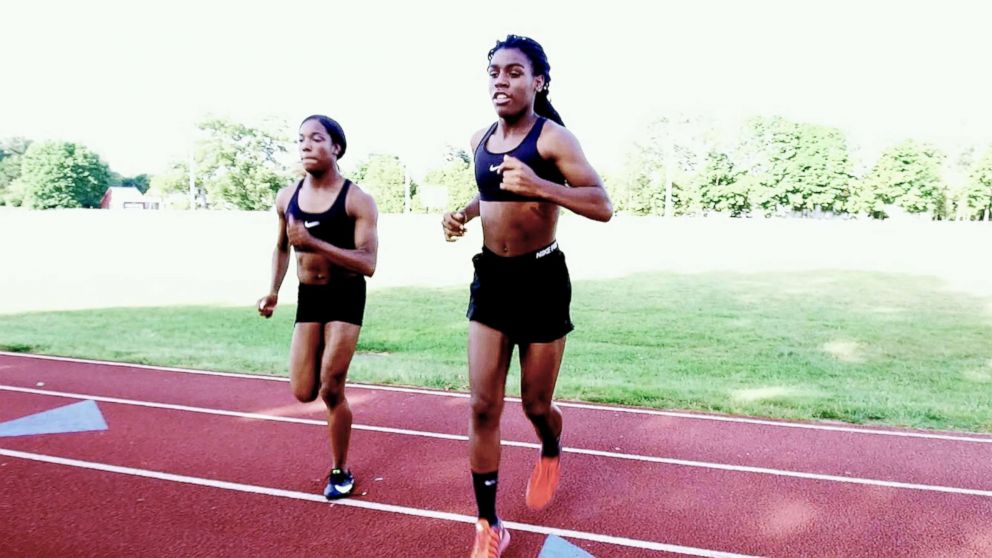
(543, 482)
(490, 542)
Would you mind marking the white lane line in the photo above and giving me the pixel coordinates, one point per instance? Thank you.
(511, 443)
(227, 413)
(146, 367)
(975, 439)
(785, 473)
(364, 504)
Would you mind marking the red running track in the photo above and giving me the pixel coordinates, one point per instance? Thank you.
(212, 464)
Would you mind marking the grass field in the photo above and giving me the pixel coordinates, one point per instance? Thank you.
(855, 346)
(887, 322)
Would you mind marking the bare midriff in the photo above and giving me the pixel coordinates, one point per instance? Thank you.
(516, 228)
(313, 269)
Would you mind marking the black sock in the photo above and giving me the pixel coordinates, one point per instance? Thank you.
(550, 444)
(551, 449)
(485, 494)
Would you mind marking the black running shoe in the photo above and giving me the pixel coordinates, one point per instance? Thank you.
(339, 484)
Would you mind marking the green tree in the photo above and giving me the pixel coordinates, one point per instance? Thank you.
(142, 181)
(172, 186)
(796, 165)
(979, 193)
(957, 170)
(638, 189)
(239, 166)
(678, 145)
(383, 176)
(114, 179)
(720, 186)
(11, 152)
(61, 174)
(457, 175)
(907, 175)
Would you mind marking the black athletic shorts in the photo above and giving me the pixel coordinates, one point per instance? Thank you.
(526, 297)
(341, 300)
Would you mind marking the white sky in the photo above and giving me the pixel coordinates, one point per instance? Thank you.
(130, 78)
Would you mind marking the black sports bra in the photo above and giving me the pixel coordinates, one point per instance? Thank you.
(334, 225)
(488, 180)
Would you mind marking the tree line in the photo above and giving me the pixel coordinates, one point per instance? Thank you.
(773, 166)
(776, 166)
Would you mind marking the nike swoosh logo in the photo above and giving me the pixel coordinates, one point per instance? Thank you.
(489, 483)
(310, 224)
(344, 488)
(493, 168)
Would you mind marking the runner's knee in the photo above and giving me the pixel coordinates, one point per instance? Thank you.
(305, 394)
(332, 387)
(485, 411)
(536, 407)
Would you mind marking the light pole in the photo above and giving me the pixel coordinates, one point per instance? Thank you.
(192, 179)
(669, 157)
(406, 190)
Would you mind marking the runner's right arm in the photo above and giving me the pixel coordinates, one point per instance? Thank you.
(453, 222)
(280, 258)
